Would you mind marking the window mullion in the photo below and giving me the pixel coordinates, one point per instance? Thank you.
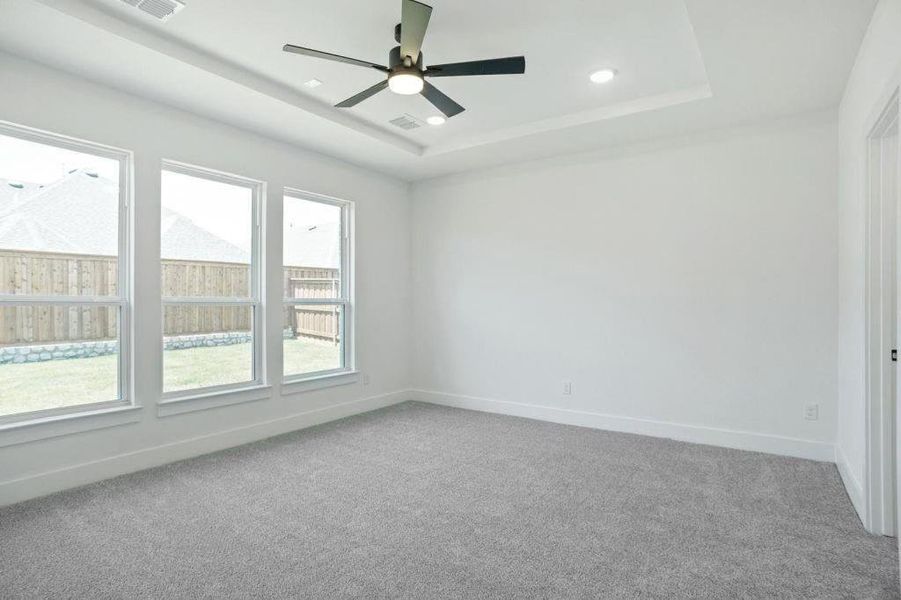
(23, 300)
(210, 300)
(315, 301)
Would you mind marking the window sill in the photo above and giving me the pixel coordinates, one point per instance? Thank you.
(318, 382)
(22, 432)
(187, 404)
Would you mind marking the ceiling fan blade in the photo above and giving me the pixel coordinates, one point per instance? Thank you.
(335, 57)
(354, 100)
(514, 65)
(441, 102)
(414, 20)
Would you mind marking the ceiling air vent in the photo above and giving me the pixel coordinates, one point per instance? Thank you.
(406, 122)
(161, 9)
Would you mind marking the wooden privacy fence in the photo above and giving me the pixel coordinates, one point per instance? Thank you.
(182, 279)
(40, 274)
(318, 321)
(43, 274)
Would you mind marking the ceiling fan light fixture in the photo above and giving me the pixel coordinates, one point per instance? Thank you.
(603, 76)
(405, 83)
(405, 71)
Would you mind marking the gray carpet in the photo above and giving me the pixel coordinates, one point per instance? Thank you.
(418, 501)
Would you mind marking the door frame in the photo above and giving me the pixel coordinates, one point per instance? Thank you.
(881, 326)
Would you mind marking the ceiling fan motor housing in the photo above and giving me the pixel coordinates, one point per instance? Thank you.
(396, 62)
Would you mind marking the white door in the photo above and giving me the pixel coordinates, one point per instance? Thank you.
(891, 188)
(883, 323)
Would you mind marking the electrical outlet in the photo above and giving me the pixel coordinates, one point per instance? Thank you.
(567, 388)
(365, 378)
(812, 412)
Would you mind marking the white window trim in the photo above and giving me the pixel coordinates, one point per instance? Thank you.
(202, 398)
(95, 416)
(348, 373)
(213, 399)
(36, 425)
(325, 379)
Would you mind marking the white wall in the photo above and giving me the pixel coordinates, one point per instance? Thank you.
(39, 97)
(876, 73)
(686, 289)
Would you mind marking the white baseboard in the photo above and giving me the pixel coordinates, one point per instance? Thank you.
(741, 440)
(42, 484)
(53, 481)
(852, 485)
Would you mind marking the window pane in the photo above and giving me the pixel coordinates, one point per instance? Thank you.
(206, 345)
(206, 234)
(54, 356)
(312, 249)
(313, 339)
(59, 221)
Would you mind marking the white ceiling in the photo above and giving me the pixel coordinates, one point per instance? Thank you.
(684, 66)
(649, 41)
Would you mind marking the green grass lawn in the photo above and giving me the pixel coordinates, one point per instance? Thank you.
(60, 383)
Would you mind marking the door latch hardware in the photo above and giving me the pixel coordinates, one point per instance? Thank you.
(894, 355)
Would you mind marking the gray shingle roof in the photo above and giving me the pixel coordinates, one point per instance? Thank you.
(182, 239)
(43, 221)
(37, 218)
(11, 190)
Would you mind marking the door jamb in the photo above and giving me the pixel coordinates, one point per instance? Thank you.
(881, 306)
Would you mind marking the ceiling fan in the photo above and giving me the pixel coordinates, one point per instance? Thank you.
(406, 71)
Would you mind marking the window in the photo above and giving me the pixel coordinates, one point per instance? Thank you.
(63, 275)
(317, 324)
(209, 247)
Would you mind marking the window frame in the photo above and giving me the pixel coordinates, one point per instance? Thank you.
(346, 299)
(122, 300)
(254, 301)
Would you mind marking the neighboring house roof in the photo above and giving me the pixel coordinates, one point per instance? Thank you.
(11, 191)
(43, 221)
(36, 218)
(182, 239)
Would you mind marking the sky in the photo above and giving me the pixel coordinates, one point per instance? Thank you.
(225, 209)
(30, 162)
(302, 214)
(220, 208)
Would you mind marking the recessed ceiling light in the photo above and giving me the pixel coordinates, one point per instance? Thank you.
(436, 120)
(603, 76)
(313, 83)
